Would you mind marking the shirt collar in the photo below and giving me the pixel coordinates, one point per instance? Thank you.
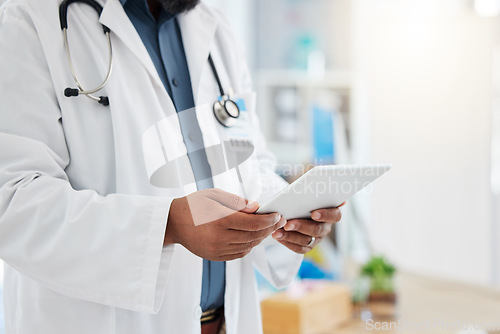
(163, 15)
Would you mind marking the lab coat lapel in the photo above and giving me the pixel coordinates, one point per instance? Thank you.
(198, 27)
(114, 17)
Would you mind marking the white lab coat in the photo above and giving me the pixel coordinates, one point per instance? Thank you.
(81, 224)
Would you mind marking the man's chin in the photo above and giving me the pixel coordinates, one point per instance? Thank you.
(175, 7)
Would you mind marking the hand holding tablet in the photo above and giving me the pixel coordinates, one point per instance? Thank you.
(310, 204)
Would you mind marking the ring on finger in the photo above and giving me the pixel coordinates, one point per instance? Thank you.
(313, 239)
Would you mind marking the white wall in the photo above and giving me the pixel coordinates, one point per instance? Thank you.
(281, 24)
(424, 77)
(240, 14)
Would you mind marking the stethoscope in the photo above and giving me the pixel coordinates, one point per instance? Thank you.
(226, 111)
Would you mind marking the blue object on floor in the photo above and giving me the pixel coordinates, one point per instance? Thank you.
(309, 270)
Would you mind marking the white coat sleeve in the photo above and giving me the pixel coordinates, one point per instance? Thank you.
(102, 249)
(277, 263)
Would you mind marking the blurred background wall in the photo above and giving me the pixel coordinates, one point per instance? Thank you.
(427, 67)
(417, 87)
(426, 70)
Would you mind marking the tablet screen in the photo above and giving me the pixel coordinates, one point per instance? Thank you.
(322, 187)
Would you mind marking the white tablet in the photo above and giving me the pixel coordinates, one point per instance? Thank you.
(322, 187)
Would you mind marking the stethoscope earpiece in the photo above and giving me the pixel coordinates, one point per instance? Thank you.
(104, 100)
(68, 92)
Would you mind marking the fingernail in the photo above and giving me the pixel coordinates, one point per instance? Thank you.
(316, 215)
(251, 204)
(290, 227)
(282, 224)
(277, 218)
(277, 235)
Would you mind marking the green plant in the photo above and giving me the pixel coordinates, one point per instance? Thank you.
(380, 272)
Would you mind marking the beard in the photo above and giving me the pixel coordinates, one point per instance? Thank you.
(175, 7)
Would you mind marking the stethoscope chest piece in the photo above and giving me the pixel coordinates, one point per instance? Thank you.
(226, 111)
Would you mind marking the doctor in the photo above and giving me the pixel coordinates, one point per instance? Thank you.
(117, 217)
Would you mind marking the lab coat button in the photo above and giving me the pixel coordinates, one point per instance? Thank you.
(175, 82)
(197, 313)
(191, 136)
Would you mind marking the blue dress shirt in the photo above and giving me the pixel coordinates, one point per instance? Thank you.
(163, 41)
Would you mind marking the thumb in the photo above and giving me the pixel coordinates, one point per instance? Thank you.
(251, 207)
(233, 202)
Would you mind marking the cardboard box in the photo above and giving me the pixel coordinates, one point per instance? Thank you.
(318, 310)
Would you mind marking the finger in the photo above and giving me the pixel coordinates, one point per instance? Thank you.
(308, 227)
(251, 222)
(215, 210)
(332, 215)
(251, 207)
(234, 247)
(295, 248)
(294, 238)
(232, 201)
(238, 248)
(230, 257)
(243, 237)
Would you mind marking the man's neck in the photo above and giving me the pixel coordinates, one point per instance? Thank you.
(154, 8)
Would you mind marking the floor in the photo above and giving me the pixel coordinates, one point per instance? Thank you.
(434, 306)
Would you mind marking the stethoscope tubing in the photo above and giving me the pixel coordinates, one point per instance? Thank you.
(225, 110)
(63, 18)
(221, 108)
(216, 75)
(82, 91)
